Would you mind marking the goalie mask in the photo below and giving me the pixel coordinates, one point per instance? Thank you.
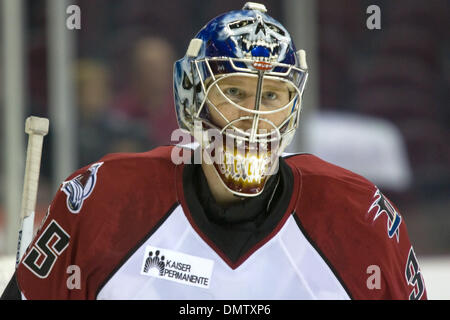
(238, 91)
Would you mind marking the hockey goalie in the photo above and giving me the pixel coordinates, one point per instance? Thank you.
(230, 216)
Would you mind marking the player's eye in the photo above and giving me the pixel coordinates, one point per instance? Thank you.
(234, 93)
(269, 95)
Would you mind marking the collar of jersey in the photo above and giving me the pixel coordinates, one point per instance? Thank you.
(232, 238)
(247, 213)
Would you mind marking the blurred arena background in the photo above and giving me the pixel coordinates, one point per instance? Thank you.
(376, 102)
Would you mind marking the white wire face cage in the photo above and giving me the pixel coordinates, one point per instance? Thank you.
(293, 78)
(245, 156)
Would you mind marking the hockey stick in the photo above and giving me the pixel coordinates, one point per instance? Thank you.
(36, 128)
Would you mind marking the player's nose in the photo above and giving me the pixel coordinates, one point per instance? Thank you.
(248, 118)
(247, 104)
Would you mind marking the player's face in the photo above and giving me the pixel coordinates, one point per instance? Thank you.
(242, 90)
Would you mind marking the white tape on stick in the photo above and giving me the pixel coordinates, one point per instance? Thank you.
(36, 128)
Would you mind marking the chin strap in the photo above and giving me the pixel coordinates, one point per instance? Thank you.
(273, 193)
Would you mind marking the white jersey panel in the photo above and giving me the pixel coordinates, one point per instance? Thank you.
(286, 267)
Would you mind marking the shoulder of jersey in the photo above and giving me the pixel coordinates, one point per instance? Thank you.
(122, 180)
(330, 194)
(135, 168)
(153, 160)
(312, 167)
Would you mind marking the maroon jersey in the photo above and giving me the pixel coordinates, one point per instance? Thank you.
(130, 227)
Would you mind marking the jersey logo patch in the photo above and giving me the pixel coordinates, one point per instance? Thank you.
(382, 205)
(176, 266)
(80, 188)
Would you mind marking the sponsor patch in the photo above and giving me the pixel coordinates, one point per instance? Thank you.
(80, 188)
(176, 266)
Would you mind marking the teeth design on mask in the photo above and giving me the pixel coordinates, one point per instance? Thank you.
(250, 169)
(249, 45)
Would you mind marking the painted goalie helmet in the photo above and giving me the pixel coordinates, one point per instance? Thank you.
(238, 91)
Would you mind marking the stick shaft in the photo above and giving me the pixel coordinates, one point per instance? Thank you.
(31, 179)
(37, 128)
